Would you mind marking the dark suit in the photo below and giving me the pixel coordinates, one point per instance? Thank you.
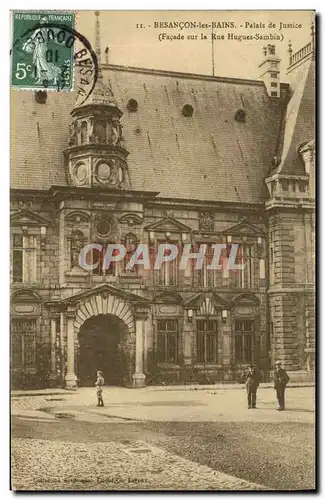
(252, 382)
(281, 379)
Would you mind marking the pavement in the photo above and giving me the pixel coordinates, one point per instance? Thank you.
(55, 465)
(198, 439)
(213, 404)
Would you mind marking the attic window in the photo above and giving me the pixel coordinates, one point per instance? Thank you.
(132, 105)
(240, 115)
(41, 96)
(187, 110)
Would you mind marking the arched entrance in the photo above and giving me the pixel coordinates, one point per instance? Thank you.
(102, 346)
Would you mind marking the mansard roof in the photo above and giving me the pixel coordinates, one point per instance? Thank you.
(206, 156)
(298, 123)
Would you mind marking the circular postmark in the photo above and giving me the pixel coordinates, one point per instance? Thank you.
(53, 56)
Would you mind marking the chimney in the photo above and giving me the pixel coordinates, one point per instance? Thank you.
(270, 71)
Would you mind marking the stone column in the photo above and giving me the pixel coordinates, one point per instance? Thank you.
(62, 255)
(70, 378)
(53, 351)
(139, 378)
(145, 347)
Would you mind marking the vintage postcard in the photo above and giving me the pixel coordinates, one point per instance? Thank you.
(162, 217)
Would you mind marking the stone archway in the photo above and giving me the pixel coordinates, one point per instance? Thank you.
(104, 345)
(103, 303)
(130, 309)
(105, 328)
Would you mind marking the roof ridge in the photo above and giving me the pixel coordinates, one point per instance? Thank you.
(194, 76)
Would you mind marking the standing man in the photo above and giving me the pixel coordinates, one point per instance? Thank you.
(281, 379)
(252, 379)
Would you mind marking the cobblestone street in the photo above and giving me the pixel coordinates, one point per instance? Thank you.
(112, 466)
(162, 439)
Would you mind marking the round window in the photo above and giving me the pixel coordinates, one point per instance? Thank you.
(104, 171)
(80, 172)
(103, 227)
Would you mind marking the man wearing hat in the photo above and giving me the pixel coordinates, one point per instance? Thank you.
(252, 379)
(281, 379)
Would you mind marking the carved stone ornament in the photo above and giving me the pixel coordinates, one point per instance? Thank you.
(73, 135)
(77, 243)
(116, 132)
(130, 242)
(131, 219)
(206, 222)
(24, 205)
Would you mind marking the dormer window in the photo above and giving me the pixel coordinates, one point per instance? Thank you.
(188, 110)
(132, 105)
(240, 116)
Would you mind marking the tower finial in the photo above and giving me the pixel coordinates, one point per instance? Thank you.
(97, 42)
(312, 29)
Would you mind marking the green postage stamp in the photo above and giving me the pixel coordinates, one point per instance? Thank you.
(42, 50)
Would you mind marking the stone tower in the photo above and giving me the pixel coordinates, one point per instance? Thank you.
(291, 213)
(270, 71)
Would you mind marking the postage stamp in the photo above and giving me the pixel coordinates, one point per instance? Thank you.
(42, 50)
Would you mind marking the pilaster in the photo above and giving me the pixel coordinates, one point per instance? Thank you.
(70, 378)
(139, 377)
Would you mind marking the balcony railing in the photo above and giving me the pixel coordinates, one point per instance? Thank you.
(301, 54)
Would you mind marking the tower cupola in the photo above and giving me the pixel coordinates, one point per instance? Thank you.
(96, 156)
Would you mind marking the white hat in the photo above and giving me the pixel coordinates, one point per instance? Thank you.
(278, 362)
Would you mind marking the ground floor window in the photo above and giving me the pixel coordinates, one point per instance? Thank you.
(244, 340)
(23, 335)
(206, 341)
(167, 340)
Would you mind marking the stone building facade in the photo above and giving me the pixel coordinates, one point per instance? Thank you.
(157, 157)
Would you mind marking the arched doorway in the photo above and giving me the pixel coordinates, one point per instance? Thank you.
(102, 346)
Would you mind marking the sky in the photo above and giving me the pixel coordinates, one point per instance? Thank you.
(132, 45)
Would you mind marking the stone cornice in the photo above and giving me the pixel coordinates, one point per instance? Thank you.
(293, 205)
(289, 289)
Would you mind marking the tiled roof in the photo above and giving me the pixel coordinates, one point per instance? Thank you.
(209, 156)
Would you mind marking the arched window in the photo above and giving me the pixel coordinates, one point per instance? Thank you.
(83, 133)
